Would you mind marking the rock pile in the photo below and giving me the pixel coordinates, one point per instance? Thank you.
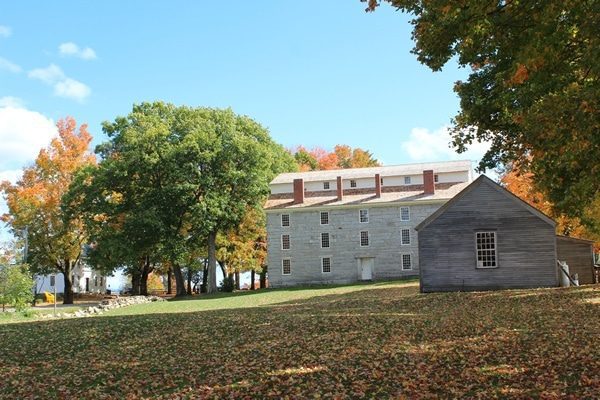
(106, 304)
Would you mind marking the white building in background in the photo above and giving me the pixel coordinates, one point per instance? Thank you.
(85, 280)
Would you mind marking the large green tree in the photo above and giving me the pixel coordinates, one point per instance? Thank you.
(196, 172)
(533, 90)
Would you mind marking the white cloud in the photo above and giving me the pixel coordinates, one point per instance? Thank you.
(9, 66)
(71, 49)
(5, 31)
(63, 85)
(424, 145)
(10, 101)
(22, 134)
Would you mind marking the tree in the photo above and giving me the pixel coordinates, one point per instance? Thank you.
(521, 183)
(343, 156)
(15, 286)
(533, 90)
(198, 169)
(55, 240)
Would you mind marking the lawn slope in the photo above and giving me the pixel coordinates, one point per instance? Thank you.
(379, 340)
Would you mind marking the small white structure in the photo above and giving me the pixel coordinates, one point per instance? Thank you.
(85, 280)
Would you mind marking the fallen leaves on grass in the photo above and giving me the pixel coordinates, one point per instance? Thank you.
(388, 342)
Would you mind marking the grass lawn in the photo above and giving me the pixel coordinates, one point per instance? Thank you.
(378, 340)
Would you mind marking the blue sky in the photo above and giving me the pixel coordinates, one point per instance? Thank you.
(314, 72)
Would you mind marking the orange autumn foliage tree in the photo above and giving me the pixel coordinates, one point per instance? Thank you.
(522, 184)
(55, 240)
(342, 156)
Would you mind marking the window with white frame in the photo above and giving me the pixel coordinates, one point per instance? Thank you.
(324, 218)
(352, 183)
(324, 240)
(364, 238)
(405, 235)
(381, 181)
(436, 178)
(285, 242)
(363, 216)
(487, 256)
(407, 180)
(286, 266)
(406, 261)
(285, 219)
(326, 265)
(405, 213)
(326, 185)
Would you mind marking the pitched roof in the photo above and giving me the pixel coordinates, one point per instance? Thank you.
(482, 179)
(367, 199)
(563, 237)
(357, 173)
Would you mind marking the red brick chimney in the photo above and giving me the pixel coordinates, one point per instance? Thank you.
(298, 191)
(377, 185)
(428, 183)
(340, 189)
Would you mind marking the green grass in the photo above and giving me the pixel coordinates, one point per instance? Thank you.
(378, 341)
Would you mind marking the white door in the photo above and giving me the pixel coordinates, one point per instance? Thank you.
(366, 268)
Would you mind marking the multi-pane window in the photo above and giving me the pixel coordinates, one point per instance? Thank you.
(405, 235)
(486, 250)
(436, 178)
(404, 213)
(381, 181)
(324, 218)
(285, 219)
(406, 261)
(285, 242)
(286, 266)
(352, 183)
(96, 280)
(326, 264)
(326, 185)
(324, 239)
(364, 238)
(407, 180)
(363, 216)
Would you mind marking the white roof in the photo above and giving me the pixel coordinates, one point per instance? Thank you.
(357, 173)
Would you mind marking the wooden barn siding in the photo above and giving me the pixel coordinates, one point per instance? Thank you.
(526, 246)
(579, 257)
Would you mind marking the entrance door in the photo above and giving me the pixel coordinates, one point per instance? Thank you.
(366, 268)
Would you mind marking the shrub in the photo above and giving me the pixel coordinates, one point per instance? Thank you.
(227, 285)
(15, 286)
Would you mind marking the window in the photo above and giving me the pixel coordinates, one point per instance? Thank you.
(436, 178)
(286, 266)
(326, 265)
(285, 219)
(381, 181)
(96, 280)
(486, 249)
(101, 280)
(364, 238)
(404, 213)
(405, 236)
(363, 216)
(285, 242)
(352, 183)
(406, 262)
(407, 180)
(326, 185)
(324, 240)
(324, 218)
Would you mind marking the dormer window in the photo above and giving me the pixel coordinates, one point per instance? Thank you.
(325, 185)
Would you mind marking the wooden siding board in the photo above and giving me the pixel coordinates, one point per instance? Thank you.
(526, 245)
(579, 256)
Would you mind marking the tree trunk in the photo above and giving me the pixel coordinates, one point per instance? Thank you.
(204, 277)
(144, 278)
(223, 267)
(263, 278)
(169, 283)
(212, 263)
(136, 281)
(189, 281)
(252, 277)
(237, 280)
(179, 281)
(68, 295)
